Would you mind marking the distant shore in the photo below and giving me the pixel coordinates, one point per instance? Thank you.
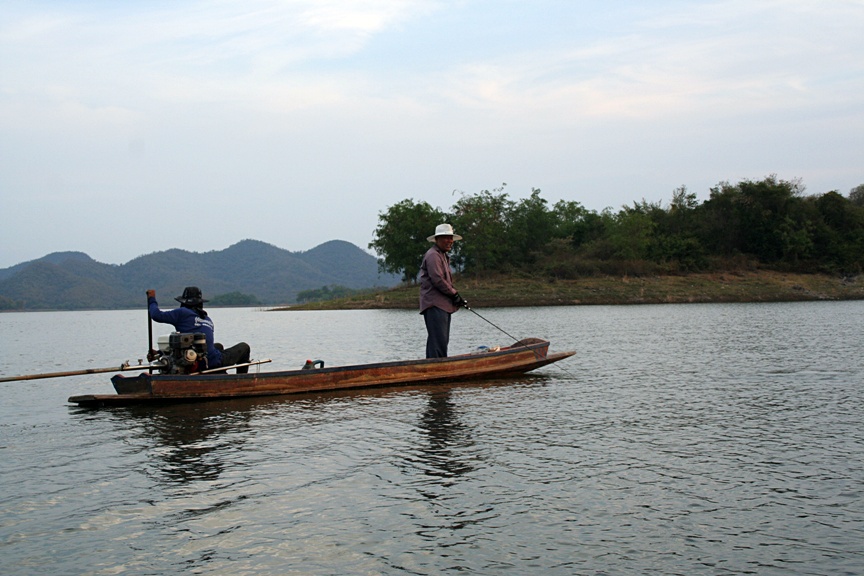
(505, 291)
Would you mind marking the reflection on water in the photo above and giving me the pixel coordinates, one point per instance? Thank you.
(446, 439)
(680, 440)
(189, 442)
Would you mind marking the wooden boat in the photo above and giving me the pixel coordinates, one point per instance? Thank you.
(523, 356)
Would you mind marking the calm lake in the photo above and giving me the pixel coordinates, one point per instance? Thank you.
(681, 439)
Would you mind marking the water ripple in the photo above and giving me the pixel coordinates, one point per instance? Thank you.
(681, 440)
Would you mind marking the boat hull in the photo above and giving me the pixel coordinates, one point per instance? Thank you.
(522, 357)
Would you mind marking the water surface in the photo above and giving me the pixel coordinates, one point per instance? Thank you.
(681, 439)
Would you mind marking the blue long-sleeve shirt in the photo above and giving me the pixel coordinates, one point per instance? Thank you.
(187, 321)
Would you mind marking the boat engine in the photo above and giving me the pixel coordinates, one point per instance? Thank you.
(182, 353)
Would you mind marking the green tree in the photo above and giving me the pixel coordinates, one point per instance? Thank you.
(594, 237)
(400, 238)
(530, 228)
(676, 242)
(769, 221)
(682, 201)
(325, 293)
(718, 226)
(9, 304)
(856, 195)
(482, 219)
(568, 216)
(769, 217)
(631, 234)
(235, 299)
(589, 228)
(838, 232)
(764, 218)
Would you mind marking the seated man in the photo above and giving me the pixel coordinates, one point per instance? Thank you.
(191, 318)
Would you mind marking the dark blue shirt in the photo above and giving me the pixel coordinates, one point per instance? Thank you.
(187, 321)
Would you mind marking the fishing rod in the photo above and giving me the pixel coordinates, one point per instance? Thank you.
(224, 369)
(492, 323)
(518, 342)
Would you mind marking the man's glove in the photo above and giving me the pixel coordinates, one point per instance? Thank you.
(459, 301)
(151, 293)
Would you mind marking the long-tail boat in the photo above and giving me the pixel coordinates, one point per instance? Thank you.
(521, 357)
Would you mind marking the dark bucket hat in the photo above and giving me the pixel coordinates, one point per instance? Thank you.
(191, 296)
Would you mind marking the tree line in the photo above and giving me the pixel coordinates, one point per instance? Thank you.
(331, 292)
(768, 223)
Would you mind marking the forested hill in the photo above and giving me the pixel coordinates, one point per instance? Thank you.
(249, 272)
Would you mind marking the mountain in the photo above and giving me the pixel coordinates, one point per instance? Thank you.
(73, 280)
(54, 258)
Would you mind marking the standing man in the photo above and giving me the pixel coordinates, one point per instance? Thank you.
(438, 297)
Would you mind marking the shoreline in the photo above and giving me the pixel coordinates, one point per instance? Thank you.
(715, 287)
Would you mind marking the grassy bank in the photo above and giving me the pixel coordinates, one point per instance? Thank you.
(759, 286)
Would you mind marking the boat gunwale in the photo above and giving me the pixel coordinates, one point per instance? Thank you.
(516, 348)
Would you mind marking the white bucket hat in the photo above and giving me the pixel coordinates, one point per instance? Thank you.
(444, 230)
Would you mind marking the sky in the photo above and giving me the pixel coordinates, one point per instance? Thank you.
(128, 128)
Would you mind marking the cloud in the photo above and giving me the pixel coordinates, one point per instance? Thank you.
(355, 105)
(705, 58)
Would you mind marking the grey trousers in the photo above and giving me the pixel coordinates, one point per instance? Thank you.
(437, 332)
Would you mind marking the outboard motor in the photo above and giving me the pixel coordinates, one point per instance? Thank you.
(183, 353)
